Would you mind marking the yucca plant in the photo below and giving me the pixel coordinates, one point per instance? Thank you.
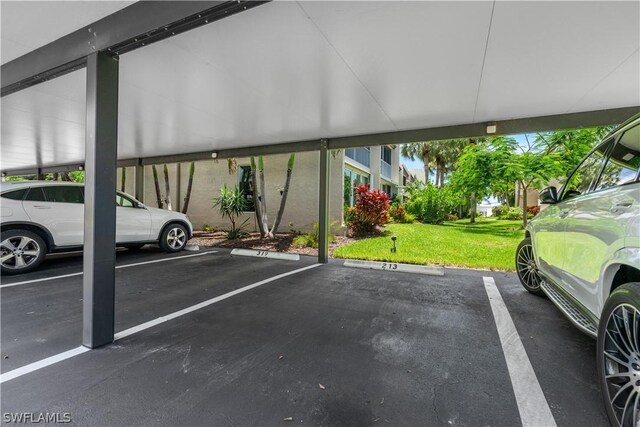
(231, 204)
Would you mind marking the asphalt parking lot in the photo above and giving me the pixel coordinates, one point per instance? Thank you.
(288, 342)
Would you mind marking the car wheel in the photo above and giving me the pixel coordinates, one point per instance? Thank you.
(134, 247)
(619, 355)
(174, 238)
(527, 269)
(22, 251)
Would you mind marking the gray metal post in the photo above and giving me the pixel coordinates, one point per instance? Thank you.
(139, 193)
(39, 174)
(323, 196)
(99, 200)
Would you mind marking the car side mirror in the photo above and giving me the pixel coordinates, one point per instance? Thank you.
(549, 195)
(140, 205)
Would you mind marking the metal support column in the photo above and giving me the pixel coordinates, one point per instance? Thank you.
(139, 193)
(39, 175)
(323, 196)
(99, 200)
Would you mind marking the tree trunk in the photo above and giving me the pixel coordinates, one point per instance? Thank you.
(262, 199)
(285, 193)
(157, 186)
(167, 189)
(187, 198)
(524, 205)
(426, 172)
(473, 208)
(123, 179)
(256, 203)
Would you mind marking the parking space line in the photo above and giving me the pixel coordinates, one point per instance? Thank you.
(128, 332)
(532, 405)
(42, 363)
(44, 279)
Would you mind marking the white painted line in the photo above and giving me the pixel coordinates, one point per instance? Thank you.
(395, 267)
(532, 405)
(266, 254)
(41, 364)
(26, 282)
(206, 303)
(128, 332)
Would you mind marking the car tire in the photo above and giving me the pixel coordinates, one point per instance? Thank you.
(619, 355)
(134, 247)
(22, 251)
(527, 269)
(173, 238)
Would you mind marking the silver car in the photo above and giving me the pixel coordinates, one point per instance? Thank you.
(583, 253)
(40, 217)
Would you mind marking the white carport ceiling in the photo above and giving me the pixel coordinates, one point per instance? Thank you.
(295, 71)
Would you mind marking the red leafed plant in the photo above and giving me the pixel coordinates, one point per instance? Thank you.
(371, 210)
(533, 210)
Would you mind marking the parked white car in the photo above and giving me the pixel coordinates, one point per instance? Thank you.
(583, 253)
(40, 217)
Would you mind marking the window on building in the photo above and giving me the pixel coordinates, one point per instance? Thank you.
(351, 180)
(361, 155)
(387, 189)
(245, 184)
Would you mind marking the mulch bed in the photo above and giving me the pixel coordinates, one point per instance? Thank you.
(282, 242)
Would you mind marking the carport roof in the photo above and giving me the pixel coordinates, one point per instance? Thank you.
(304, 71)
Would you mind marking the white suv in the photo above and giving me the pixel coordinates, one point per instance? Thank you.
(40, 217)
(583, 253)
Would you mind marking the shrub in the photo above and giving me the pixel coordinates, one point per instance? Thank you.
(397, 213)
(533, 211)
(371, 210)
(408, 219)
(231, 204)
(431, 204)
(452, 217)
(499, 211)
(207, 228)
(512, 213)
(310, 240)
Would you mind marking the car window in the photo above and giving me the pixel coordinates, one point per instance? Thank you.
(63, 194)
(123, 201)
(15, 194)
(624, 161)
(35, 194)
(584, 178)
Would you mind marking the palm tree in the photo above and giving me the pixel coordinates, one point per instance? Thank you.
(420, 151)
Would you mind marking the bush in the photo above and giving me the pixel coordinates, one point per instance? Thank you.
(499, 211)
(432, 205)
(512, 213)
(408, 219)
(371, 210)
(310, 240)
(533, 211)
(397, 213)
(207, 228)
(452, 217)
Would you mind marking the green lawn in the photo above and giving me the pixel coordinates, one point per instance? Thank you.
(489, 244)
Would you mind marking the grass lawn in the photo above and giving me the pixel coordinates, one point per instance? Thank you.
(489, 244)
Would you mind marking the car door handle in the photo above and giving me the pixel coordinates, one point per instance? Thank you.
(41, 207)
(616, 207)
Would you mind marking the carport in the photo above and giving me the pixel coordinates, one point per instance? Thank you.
(101, 85)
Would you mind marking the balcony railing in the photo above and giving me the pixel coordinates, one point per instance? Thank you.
(385, 169)
(360, 155)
